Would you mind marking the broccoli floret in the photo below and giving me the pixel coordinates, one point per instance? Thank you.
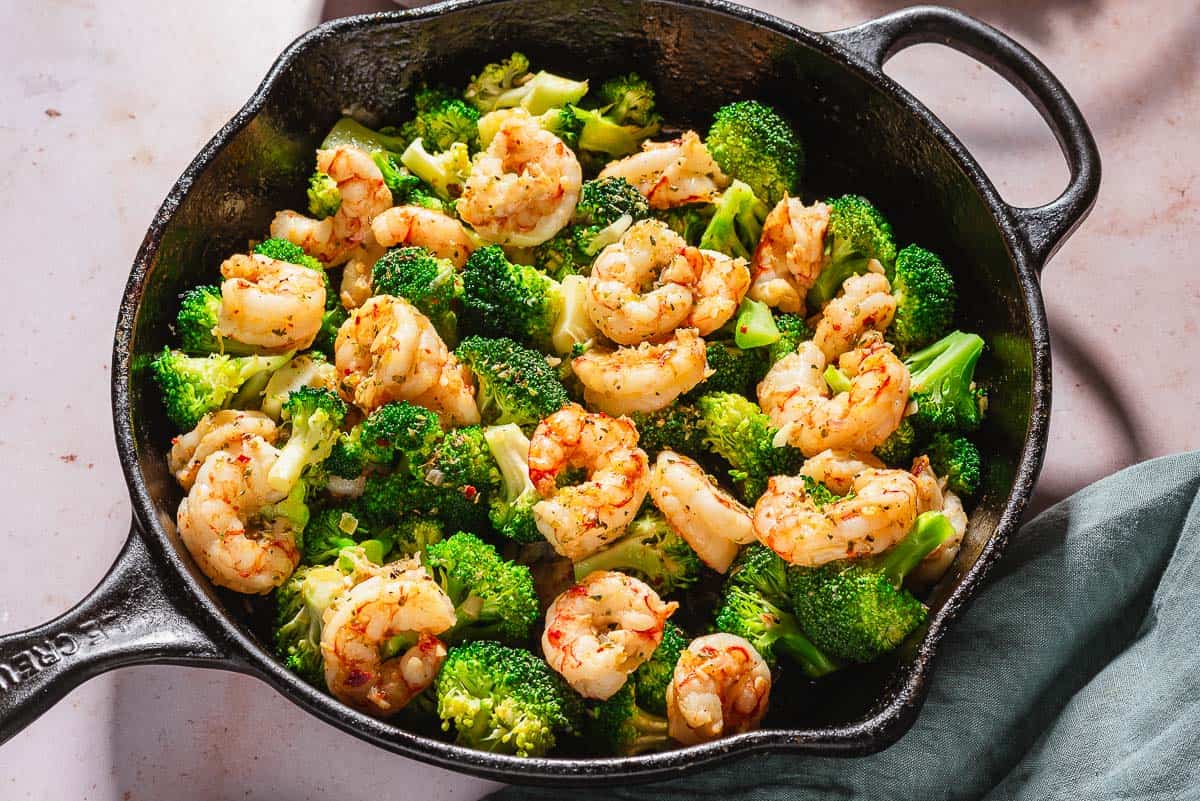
(958, 461)
(406, 188)
(389, 498)
(293, 509)
(621, 727)
(412, 536)
(739, 432)
(395, 432)
(562, 122)
(653, 676)
(856, 234)
(427, 282)
(943, 386)
(856, 609)
(734, 369)
(324, 197)
(769, 629)
(464, 461)
(511, 300)
(327, 533)
(736, 224)
(349, 132)
(306, 370)
(316, 417)
(559, 256)
(900, 446)
(753, 143)
(194, 386)
(755, 326)
(625, 117)
(606, 209)
(493, 599)
(442, 120)
(688, 221)
(504, 700)
(283, 250)
(651, 550)
(444, 172)
(760, 570)
(792, 331)
(516, 385)
(509, 83)
(511, 512)
(196, 324)
(603, 201)
(674, 428)
(300, 605)
(495, 79)
(925, 298)
(331, 325)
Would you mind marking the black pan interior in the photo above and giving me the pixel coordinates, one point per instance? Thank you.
(858, 139)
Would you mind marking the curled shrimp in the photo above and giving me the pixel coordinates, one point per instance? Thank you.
(712, 521)
(720, 284)
(439, 233)
(221, 525)
(602, 629)
(865, 304)
(878, 515)
(790, 254)
(796, 398)
(401, 600)
(364, 195)
(645, 378)
(272, 304)
(522, 190)
(836, 468)
(388, 351)
(357, 282)
(581, 519)
(216, 431)
(672, 173)
(721, 686)
(932, 496)
(640, 287)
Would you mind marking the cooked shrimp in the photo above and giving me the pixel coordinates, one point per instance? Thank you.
(836, 468)
(522, 190)
(721, 686)
(219, 521)
(364, 195)
(357, 282)
(439, 233)
(403, 599)
(790, 254)
(709, 518)
(796, 398)
(452, 395)
(672, 173)
(272, 304)
(580, 520)
(932, 496)
(602, 629)
(865, 304)
(878, 515)
(640, 287)
(216, 431)
(718, 289)
(642, 379)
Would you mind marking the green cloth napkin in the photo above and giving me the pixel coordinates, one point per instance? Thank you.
(1075, 674)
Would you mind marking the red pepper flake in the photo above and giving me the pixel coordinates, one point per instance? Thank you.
(357, 678)
(242, 458)
(470, 492)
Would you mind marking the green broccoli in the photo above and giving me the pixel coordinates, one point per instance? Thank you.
(464, 461)
(562, 122)
(754, 326)
(196, 324)
(511, 512)
(316, 417)
(331, 326)
(334, 528)
(677, 427)
(427, 282)
(739, 432)
(653, 676)
(406, 188)
(395, 432)
(651, 550)
(606, 209)
(389, 498)
(857, 610)
(516, 385)
(306, 370)
(510, 83)
(943, 386)
(770, 630)
(300, 605)
(505, 700)
(625, 117)
(603, 201)
(736, 224)
(493, 599)
(194, 386)
(925, 297)
(689, 221)
(900, 446)
(792, 331)
(753, 143)
(511, 300)
(349, 132)
(856, 234)
(622, 727)
(442, 120)
(324, 196)
(958, 461)
(413, 535)
(293, 509)
(560, 256)
(444, 172)
(760, 570)
(283, 250)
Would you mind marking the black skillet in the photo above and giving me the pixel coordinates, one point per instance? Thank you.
(863, 133)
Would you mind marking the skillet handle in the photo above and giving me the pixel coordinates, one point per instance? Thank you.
(127, 619)
(1043, 228)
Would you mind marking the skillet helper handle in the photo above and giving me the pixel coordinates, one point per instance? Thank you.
(1043, 228)
(126, 619)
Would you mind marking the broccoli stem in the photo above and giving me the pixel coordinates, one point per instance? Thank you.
(930, 531)
(955, 353)
(350, 132)
(836, 379)
(651, 729)
(811, 659)
(628, 554)
(755, 327)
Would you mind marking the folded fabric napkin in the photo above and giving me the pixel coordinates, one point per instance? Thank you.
(1075, 674)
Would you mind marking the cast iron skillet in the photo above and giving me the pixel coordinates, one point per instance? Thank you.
(863, 133)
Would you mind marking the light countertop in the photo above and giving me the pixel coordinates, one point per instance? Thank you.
(104, 104)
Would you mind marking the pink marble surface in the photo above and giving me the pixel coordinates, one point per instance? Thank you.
(105, 103)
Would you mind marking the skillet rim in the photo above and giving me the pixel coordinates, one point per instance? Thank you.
(884, 726)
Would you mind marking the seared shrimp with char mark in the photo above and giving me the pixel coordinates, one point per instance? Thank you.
(721, 686)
